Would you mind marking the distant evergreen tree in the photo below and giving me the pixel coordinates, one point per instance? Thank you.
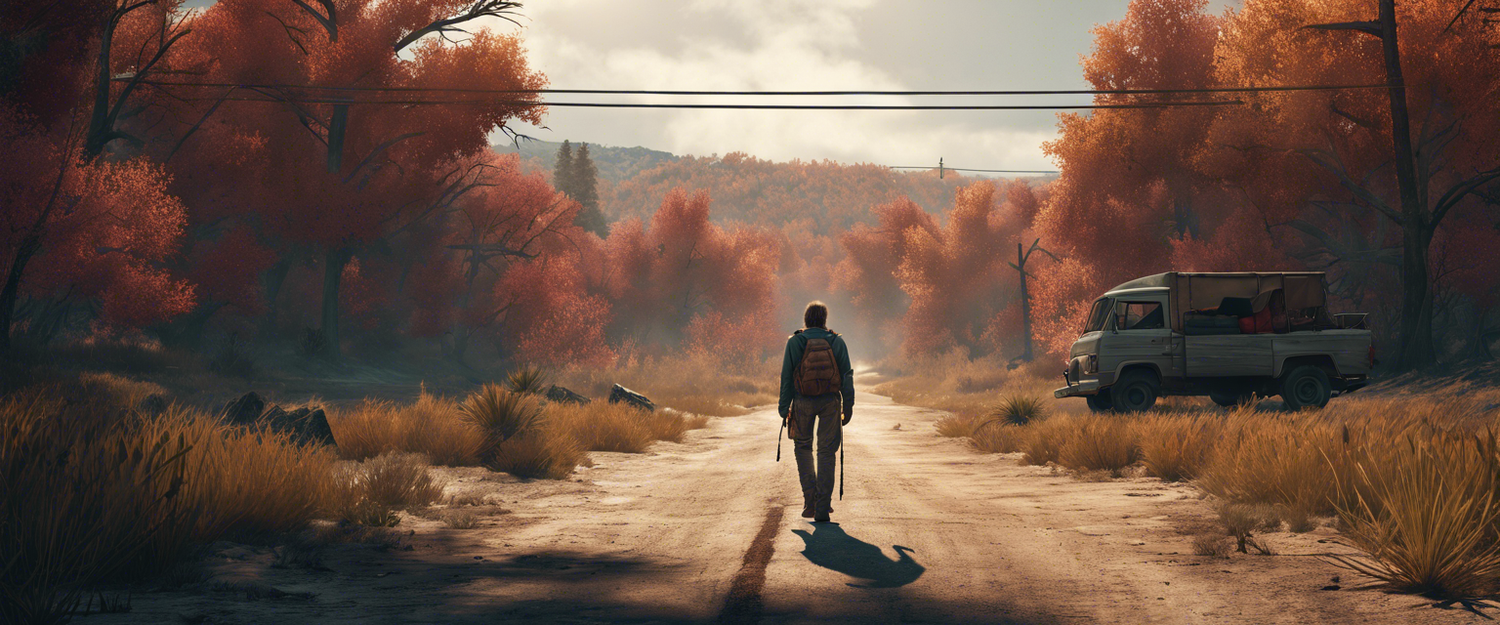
(583, 181)
(562, 172)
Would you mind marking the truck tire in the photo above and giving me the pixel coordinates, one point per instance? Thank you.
(1305, 386)
(1099, 402)
(1136, 391)
(1230, 398)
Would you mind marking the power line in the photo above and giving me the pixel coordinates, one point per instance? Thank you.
(783, 107)
(984, 171)
(1277, 88)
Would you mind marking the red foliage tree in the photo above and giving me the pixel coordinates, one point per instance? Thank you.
(682, 267)
(96, 231)
(352, 170)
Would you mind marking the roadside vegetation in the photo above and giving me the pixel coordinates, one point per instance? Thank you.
(1409, 474)
(100, 483)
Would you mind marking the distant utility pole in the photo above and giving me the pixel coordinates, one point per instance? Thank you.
(940, 168)
(1020, 267)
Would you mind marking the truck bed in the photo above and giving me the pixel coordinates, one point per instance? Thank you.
(1263, 354)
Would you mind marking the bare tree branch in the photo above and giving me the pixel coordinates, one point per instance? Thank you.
(329, 22)
(1371, 28)
(1458, 192)
(1321, 158)
(502, 9)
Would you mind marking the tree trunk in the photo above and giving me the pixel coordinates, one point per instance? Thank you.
(99, 129)
(187, 331)
(1416, 302)
(333, 272)
(12, 291)
(274, 278)
(1025, 305)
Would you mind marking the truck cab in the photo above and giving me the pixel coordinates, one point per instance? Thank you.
(1230, 336)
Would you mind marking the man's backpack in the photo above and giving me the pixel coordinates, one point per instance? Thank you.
(818, 373)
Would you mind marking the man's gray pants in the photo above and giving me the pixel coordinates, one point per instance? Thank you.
(820, 414)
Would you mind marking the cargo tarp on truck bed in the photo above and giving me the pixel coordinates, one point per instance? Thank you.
(1199, 291)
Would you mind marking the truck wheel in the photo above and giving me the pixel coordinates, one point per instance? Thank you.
(1305, 386)
(1230, 398)
(1135, 392)
(1099, 402)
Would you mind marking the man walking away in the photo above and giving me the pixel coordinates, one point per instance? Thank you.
(817, 385)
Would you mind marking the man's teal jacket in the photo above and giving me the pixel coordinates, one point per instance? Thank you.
(795, 346)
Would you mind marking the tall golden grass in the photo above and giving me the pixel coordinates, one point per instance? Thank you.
(372, 492)
(89, 492)
(1413, 476)
(504, 430)
(431, 426)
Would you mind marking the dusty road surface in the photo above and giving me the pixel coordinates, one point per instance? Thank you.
(708, 531)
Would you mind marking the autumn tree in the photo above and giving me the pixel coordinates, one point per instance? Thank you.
(681, 275)
(1409, 155)
(516, 218)
(353, 168)
(74, 227)
(78, 230)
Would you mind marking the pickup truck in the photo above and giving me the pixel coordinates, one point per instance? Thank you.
(1230, 336)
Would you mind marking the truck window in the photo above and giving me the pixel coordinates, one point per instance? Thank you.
(1142, 316)
(1098, 315)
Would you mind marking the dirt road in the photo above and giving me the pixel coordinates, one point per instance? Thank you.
(708, 531)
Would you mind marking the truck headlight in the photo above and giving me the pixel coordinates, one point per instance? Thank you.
(1092, 364)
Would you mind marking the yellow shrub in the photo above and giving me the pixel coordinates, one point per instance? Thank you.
(431, 426)
(1099, 443)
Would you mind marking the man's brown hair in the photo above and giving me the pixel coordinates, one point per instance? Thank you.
(816, 315)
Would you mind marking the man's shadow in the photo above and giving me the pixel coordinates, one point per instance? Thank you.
(829, 547)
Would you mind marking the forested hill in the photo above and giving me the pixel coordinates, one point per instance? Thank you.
(614, 164)
(827, 196)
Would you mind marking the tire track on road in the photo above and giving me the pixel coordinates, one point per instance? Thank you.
(744, 605)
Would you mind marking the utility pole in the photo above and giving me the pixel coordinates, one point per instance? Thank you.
(1020, 267)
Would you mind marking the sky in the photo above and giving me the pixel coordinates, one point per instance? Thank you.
(818, 45)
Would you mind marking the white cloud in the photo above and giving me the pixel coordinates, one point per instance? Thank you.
(773, 45)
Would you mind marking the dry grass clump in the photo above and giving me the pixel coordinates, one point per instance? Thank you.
(619, 427)
(1275, 459)
(954, 426)
(1044, 441)
(536, 454)
(372, 492)
(1212, 545)
(1176, 448)
(1425, 510)
(1017, 410)
(432, 426)
(1100, 443)
(502, 414)
(1241, 521)
(89, 494)
(528, 379)
(460, 520)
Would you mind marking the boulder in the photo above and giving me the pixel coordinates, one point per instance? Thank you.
(308, 426)
(562, 395)
(620, 394)
(245, 410)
